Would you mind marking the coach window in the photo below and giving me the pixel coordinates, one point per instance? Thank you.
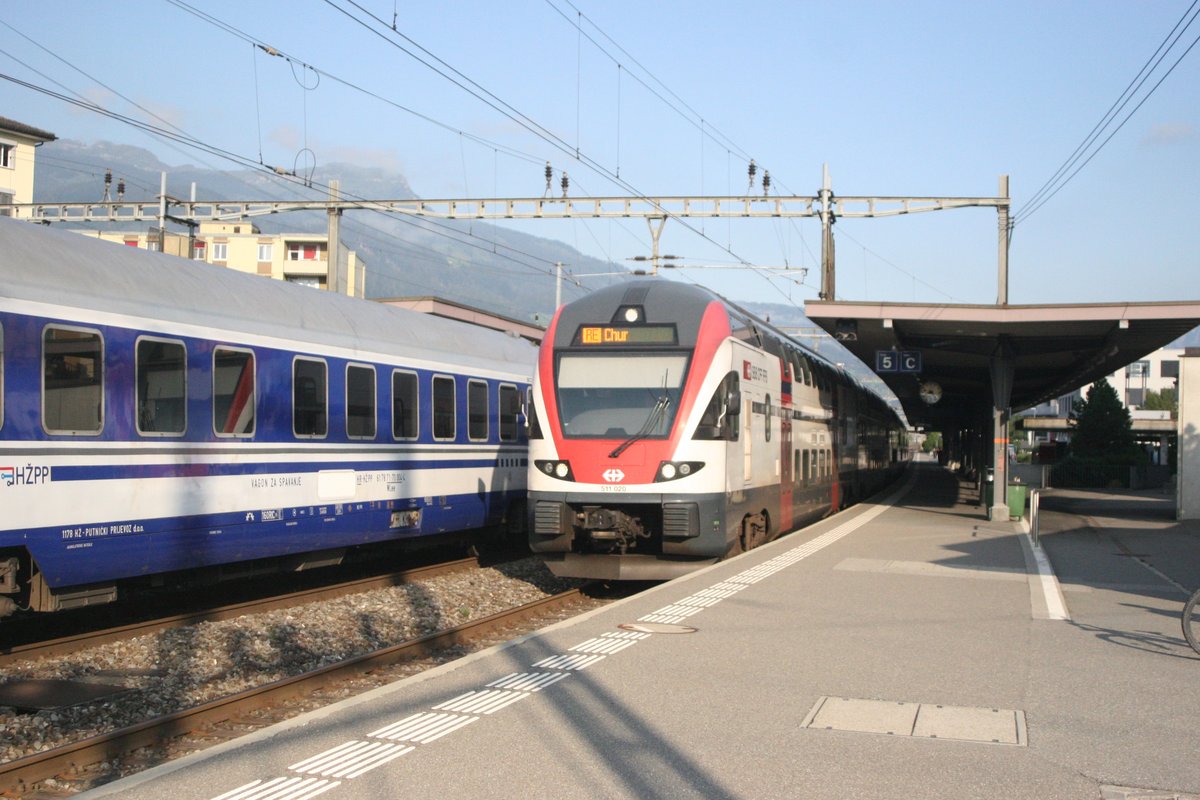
(161, 387)
(233, 392)
(767, 415)
(510, 408)
(443, 407)
(477, 410)
(310, 398)
(404, 405)
(360, 401)
(72, 381)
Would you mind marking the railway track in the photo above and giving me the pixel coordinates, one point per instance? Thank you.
(100, 759)
(93, 638)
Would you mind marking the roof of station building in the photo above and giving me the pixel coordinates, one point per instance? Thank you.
(1054, 348)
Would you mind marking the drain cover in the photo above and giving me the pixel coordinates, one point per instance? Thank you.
(919, 720)
(50, 695)
(655, 627)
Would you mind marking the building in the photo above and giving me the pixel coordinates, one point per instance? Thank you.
(17, 144)
(295, 257)
(1156, 429)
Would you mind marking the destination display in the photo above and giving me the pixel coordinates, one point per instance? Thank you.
(625, 334)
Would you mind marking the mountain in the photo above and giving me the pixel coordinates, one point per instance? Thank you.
(475, 263)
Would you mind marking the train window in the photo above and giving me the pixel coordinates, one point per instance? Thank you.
(535, 427)
(161, 387)
(767, 418)
(404, 405)
(615, 397)
(72, 381)
(477, 410)
(360, 401)
(720, 419)
(233, 392)
(443, 407)
(310, 398)
(1, 376)
(510, 408)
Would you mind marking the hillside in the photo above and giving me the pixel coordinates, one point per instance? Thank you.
(482, 265)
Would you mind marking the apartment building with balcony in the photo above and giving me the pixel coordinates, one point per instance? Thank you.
(301, 258)
(17, 144)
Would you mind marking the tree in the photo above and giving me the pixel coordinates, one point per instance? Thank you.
(1103, 428)
(1161, 401)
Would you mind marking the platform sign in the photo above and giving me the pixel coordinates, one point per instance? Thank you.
(897, 361)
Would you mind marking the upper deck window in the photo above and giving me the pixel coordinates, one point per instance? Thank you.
(72, 381)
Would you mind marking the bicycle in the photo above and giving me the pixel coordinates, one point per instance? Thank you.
(1191, 621)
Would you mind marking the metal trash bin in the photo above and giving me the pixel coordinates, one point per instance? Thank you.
(1017, 493)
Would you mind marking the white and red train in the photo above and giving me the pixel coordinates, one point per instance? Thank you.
(670, 428)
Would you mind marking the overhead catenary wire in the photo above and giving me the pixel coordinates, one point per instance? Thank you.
(1061, 178)
(458, 78)
(245, 161)
(178, 135)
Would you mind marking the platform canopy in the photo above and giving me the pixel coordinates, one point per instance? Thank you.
(1044, 350)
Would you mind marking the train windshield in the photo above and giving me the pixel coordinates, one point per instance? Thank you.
(616, 397)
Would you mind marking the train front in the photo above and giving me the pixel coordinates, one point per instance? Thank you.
(631, 420)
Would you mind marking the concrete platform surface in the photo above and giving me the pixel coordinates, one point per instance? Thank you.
(906, 648)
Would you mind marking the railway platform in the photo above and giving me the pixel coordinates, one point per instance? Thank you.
(906, 648)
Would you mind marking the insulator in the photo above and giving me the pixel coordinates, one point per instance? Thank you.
(753, 168)
(549, 173)
(766, 181)
(120, 188)
(566, 182)
(108, 177)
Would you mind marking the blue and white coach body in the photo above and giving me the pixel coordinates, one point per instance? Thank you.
(159, 415)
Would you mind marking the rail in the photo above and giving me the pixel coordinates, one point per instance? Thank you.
(17, 777)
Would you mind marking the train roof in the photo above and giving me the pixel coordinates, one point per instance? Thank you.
(64, 268)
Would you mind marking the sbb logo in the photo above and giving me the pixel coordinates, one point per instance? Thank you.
(614, 475)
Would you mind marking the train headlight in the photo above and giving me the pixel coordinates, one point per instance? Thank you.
(555, 469)
(673, 470)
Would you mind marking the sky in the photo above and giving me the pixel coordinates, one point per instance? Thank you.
(670, 98)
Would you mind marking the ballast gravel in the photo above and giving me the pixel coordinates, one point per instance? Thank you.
(180, 668)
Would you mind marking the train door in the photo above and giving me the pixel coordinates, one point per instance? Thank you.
(785, 446)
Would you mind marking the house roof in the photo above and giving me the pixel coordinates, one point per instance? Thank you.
(13, 126)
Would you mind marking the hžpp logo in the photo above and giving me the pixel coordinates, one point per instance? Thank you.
(614, 475)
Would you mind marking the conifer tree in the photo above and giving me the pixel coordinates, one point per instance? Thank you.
(1103, 427)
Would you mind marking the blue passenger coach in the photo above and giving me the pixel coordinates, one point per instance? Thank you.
(160, 415)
